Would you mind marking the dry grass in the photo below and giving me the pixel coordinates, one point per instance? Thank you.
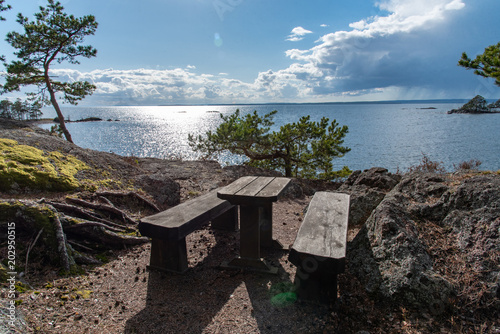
(473, 311)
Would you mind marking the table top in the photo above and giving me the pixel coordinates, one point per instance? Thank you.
(254, 190)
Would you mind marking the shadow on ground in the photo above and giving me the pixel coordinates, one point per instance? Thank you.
(208, 299)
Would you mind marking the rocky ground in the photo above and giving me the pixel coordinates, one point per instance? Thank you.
(423, 257)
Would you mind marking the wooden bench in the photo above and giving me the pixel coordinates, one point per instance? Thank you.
(320, 247)
(168, 229)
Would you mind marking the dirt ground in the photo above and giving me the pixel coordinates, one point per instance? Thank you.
(122, 296)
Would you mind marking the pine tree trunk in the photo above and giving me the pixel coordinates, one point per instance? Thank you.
(53, 100)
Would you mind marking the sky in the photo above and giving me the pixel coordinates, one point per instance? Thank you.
(167, 52)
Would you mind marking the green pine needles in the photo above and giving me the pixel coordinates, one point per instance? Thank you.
(486, 65)
(303, 149)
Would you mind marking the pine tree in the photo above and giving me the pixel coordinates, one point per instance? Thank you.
(53, 36)
(301, 149)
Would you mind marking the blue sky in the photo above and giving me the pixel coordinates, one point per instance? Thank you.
(254, 51)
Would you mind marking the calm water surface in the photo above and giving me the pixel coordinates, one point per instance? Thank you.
(394, 136)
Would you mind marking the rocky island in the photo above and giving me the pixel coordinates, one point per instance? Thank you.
(478, 105)
(423, 248)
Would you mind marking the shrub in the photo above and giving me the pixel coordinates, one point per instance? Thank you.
(427, 165)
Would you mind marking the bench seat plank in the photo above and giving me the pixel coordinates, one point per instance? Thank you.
(320, 247)
(179, 221)
(324, 229)
(168, 229)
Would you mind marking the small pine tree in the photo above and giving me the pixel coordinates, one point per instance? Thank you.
(302, 149)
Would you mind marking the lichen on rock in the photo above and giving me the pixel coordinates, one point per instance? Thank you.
(27, 167)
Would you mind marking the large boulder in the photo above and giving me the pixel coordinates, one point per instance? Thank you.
(367, 190)
(394, 253)
(164, 190)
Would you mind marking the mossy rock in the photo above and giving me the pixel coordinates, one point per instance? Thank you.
(23, 166)
(32, 216)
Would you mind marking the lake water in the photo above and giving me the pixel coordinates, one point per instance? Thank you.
(390, 135)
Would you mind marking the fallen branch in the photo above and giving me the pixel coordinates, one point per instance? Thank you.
(29, 250)
(133, 194)
(84, 214)
(71, 242)
(83, 259)
(107, 201)
(106, 237)
(103, 207)
(83, 224)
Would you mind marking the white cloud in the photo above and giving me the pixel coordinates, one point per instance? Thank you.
(370, 55)
(298, 34)
(381, 57)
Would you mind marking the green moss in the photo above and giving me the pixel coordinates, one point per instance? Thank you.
(39, 216)
(29, 167)
(21, 287)
(102, 257)
(3, 274)
(94, 185)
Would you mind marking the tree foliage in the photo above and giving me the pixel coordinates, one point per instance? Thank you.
(3, 8)
(302, 149)
(20, 110)
(53, 36)
(486, 65)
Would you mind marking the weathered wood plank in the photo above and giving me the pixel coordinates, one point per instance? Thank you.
(252, 189)
(274, 188)
(237, 185)
(320, 247)
(177, 222)
(324, 229)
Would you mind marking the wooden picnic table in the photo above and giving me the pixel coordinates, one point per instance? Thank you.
(254, 195)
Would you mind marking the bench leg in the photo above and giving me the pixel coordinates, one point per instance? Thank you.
(228, 221)
(316, 286)
(168, 255)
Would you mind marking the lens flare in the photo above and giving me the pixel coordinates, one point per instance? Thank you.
(217, 40)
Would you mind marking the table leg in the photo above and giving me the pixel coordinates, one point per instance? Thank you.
(249, 232)
(266, 228)
(250, 242)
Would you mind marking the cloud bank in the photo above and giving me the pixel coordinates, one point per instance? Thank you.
(381, 57)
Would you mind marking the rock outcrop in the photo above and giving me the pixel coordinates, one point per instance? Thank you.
(478, 105)
(400, 252)
(367, 190)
